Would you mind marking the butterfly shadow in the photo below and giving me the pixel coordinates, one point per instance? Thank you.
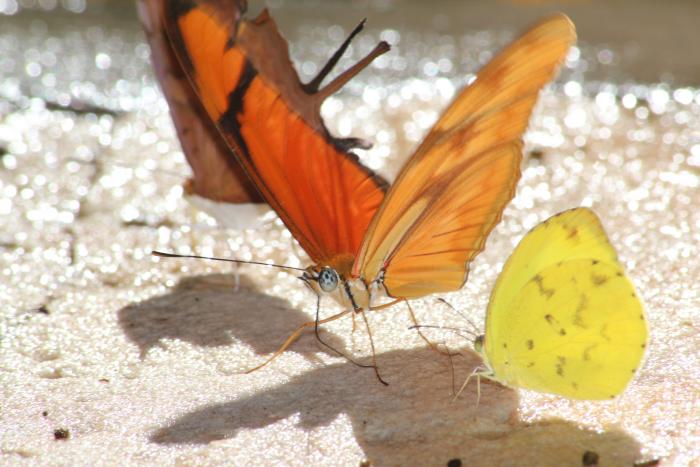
(213, 311)
(413, 421)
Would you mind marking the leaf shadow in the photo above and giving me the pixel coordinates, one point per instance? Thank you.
(214, 311)
(413, 421)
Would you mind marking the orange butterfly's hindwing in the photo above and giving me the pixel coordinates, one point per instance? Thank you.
(217, 175)
(243, 75)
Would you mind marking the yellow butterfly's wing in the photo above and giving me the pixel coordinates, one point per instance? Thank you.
(437, 214)
(563, 317)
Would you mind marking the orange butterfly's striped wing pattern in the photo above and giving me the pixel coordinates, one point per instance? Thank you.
(451, 193)
(243, 75)
(217, 175)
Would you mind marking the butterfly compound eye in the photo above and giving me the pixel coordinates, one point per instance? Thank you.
(328, 279)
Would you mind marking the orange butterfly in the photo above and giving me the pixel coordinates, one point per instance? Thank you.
(417, 238)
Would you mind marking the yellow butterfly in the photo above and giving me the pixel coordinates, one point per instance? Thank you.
(563, 317)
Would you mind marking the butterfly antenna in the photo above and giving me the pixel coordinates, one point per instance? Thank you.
(228, 260)
(452, 373)
(457, 331)
(417, 327)
(474, 331)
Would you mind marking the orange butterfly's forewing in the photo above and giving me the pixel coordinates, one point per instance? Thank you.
(451, 193)
(244, 77)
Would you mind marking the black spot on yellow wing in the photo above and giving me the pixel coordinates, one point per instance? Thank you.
(555, 323)
(530, 344)
(543, 290)
(578, 314)
(599, 279)
(561, 362)
(574, 385)
(587, 352)
(572, 233)
(531, 364)
(562, 332)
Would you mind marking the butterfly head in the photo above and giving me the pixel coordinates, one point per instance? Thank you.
(326, 280)
(479, 344)
(322, 280)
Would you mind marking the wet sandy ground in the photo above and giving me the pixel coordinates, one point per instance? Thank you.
(140, 360)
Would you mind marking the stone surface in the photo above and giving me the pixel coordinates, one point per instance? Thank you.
(140, 360)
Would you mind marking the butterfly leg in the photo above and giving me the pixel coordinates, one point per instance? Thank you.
(374, 354)
(295, 335)
(427, 341)
(475, 373)
(330, 347)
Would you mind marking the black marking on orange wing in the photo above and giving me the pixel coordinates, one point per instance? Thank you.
(173, 12)
(229, 119)
(180, 8)
(341, 144)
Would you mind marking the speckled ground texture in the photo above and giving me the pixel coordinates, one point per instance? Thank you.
(140, 360)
